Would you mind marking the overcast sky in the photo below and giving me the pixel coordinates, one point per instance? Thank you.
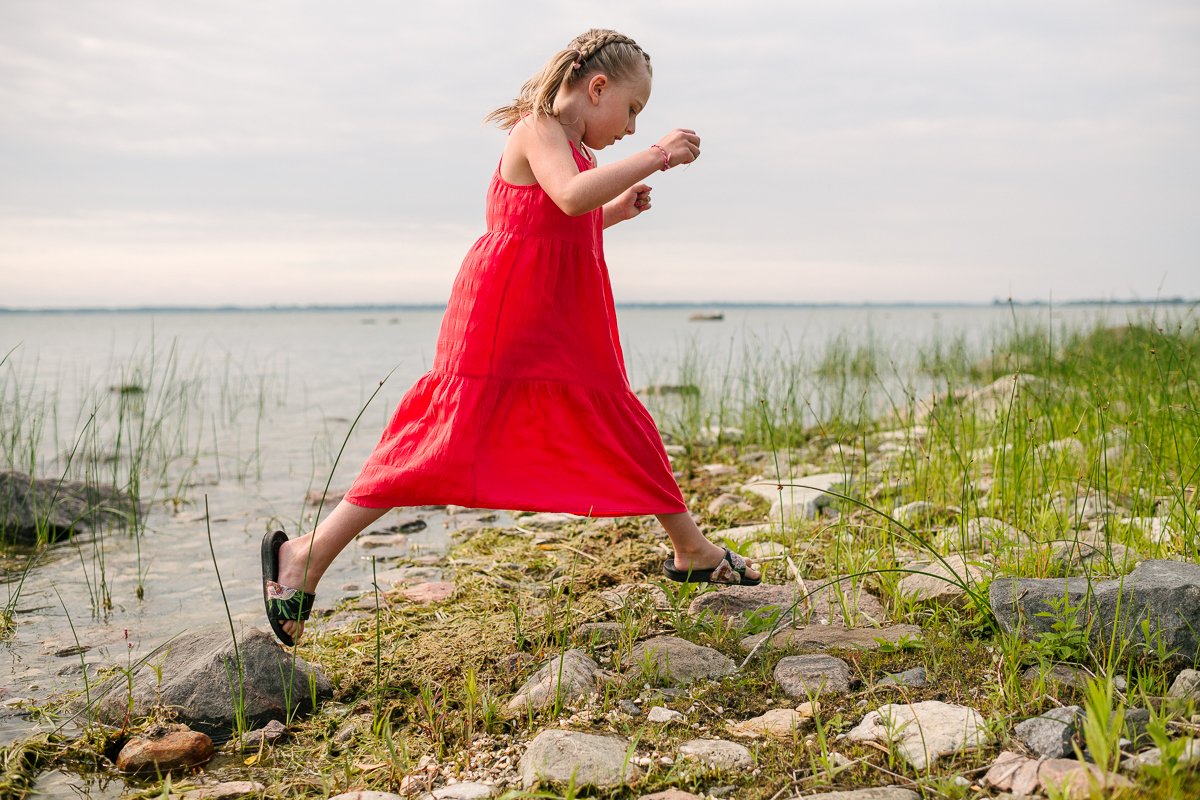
(268, 152)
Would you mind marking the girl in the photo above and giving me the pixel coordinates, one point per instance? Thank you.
(528, 405)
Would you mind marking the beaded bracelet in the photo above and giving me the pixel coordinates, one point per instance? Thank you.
(666, 156)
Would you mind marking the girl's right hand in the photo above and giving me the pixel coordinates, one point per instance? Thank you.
(682, 146)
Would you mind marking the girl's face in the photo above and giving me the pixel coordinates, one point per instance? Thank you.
(614, 106)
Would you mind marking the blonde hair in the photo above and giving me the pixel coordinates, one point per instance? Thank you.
(595, 51)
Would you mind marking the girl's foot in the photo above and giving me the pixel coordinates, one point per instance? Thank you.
(710, 558)
(292, 556)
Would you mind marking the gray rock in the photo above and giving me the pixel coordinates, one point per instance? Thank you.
(368, 795)
(717, 754)
(678, 661)
(916, 512)
(599, 632)
(467, 790)
(1136, 727)
(1163, 594)
(1153, 757)
(914, 678)
(804, 677)
(660, 715)
(941, 584)
(735, 536)
(831, 601)
(981, 534)
(557, 756)
(567, 677)
(272, 732)
(1088, 551)
(196, 670)
(547, 521)
(803, 497)
(1063, 675)
(1186, 686)
(635, 595)
(33, 509)
(823, 637)
(923, 732)
(1050, 735)
(873, 793)
(631, 708)
(227, 790)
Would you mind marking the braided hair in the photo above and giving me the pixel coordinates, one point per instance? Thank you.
(594, 51)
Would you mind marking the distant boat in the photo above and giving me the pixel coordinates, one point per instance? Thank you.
(706, 316)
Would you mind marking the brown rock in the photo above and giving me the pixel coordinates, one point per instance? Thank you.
(176, 750)
(431, 592)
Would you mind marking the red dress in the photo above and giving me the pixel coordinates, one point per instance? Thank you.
(528, 405)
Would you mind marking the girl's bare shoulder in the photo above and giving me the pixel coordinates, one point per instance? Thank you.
(533, 138)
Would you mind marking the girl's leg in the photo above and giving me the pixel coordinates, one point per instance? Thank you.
(331, 537)
(692, 549)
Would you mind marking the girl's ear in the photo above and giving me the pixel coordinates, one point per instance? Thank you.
(596, 85)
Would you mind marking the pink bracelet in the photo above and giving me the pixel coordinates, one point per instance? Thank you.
(666, 156)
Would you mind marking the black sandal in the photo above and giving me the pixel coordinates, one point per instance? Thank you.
(283, 603)
(731, 572)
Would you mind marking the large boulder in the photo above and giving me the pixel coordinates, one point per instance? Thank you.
(34, 510)
(1165, 595)
(200, 681)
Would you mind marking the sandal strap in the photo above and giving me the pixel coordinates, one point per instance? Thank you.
(287, 604)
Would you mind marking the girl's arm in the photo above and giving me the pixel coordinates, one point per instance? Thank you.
(544, 146)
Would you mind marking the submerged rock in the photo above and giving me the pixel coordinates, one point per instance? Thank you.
(200, 681)
(1165, 595)
(49, 509)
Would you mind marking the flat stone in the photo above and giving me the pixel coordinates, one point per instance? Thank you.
(1163, 594)
(914, 678)
(228, 790)
(923, 732)
(1050, 735)
(1076, 780)
(736, 536)
(559, 756)
(180, 749)
(272, 732)
(872, 793)
(407, 576)
(937, 583)
(1153, 757)
(368, 795)
(635, 595)
(717, 754)
(830, 601)
(661, 715)
(599, 632)
(547, 521)
(802, 497)
(725, 501)
(718, 470)
(778, 723)
(1096, 557)
(1063, 675)
(823, 637)
(678, 661)
(808, 676)
(670, 794)
(567, 677)
(467, 790)
(1013, 772)
(430, 592)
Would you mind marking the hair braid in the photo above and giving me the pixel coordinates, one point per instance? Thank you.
(597, 50)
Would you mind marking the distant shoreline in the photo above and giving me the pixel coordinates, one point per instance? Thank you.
(1169, 301)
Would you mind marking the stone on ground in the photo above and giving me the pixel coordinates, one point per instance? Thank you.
(270, 733)
(736, 536)
(823, 637)
(1153, 757)
(558, 756)
(635, 595)
(803, 497)
(717, 754)
(177, 749)
(677, 661)
(467, 790)
(1050, 735)
(429, 592)
(368, 795)
(1186, 686)
(778, 723)
(670, 794)
(547, 521)
(830, 601)
(812, 675)
(937, 583)
(227, 790)
(1163, 594)
(872, 793)
(660, 715)
(923, 732)
(915, 678)
(196, 670)
(599, 632)
(567, 677)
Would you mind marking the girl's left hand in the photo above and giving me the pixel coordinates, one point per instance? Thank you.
(633, 201)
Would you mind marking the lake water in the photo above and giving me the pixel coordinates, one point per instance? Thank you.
(255, 407)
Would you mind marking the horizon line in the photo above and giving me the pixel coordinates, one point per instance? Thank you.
(720, 304)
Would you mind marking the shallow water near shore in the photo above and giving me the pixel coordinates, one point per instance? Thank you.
(265, 402)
